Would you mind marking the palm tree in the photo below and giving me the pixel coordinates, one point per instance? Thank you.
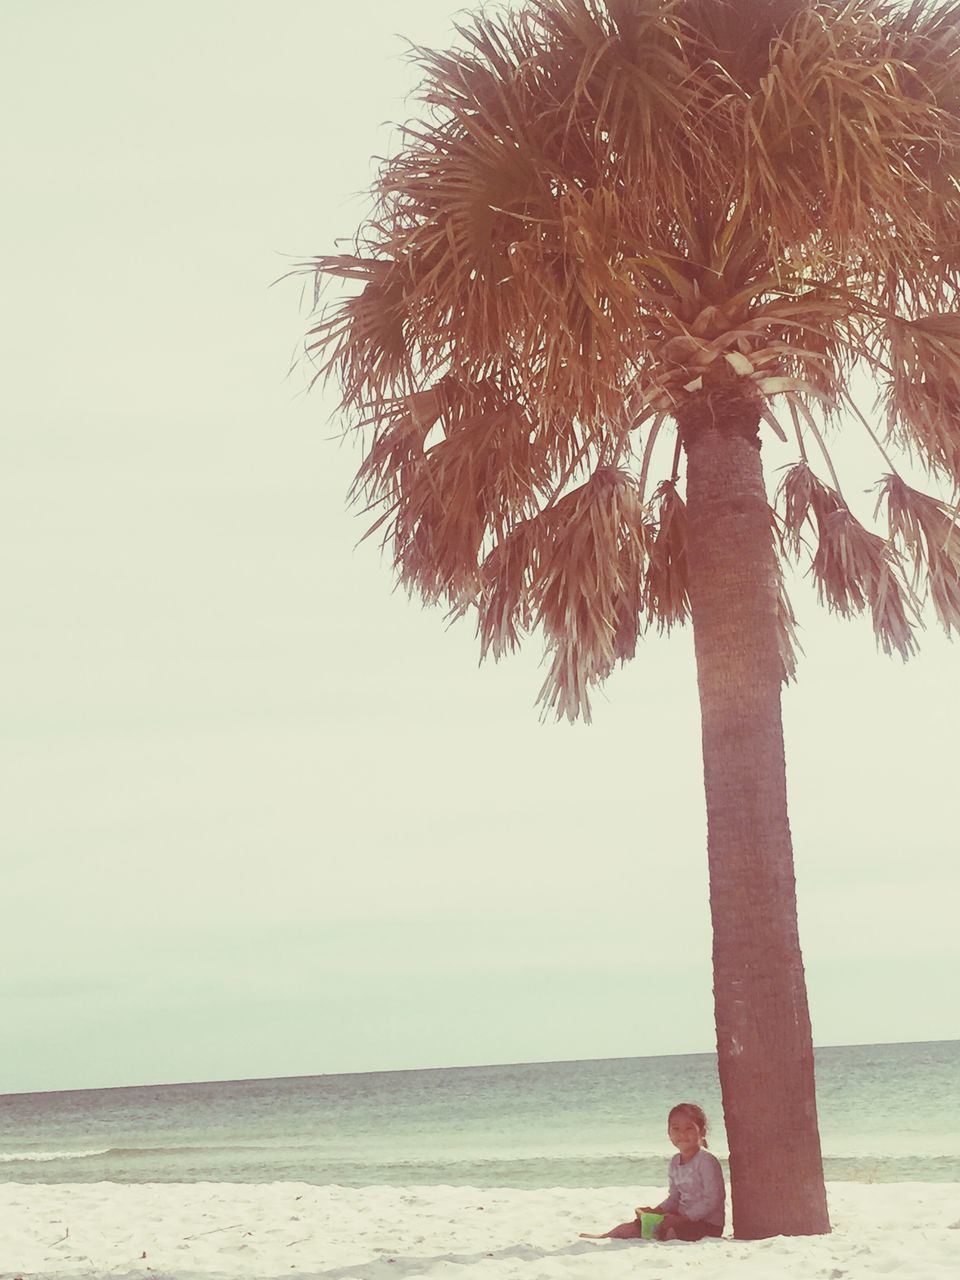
(621, 222)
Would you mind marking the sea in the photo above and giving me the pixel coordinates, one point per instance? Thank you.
(888, 1113)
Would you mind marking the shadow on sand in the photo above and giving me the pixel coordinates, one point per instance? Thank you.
(396, 1265)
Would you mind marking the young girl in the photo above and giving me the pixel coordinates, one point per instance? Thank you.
(694, 1206)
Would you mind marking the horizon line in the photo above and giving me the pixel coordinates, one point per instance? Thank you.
(473, 1066)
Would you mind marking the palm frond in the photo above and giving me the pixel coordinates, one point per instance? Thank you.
(853, 567)
(787, 641)
(928, 531)
(806, 499)
(504, 601)
(666, 590)
(443, 502)
(586, 587)
(364, 338)
(923, 394)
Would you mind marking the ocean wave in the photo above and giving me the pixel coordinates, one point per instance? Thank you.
(12, 1157)
(126, 1153)
(270, 1164)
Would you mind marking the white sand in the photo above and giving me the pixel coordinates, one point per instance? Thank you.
(207, 1230)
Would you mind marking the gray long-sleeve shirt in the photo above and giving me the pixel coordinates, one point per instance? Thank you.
(696, 1189)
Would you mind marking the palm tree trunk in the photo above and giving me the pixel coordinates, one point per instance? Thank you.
(764, 1042)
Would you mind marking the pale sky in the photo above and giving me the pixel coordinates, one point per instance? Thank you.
(263, 815)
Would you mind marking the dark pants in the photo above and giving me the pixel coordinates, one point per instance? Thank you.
(688, 1230)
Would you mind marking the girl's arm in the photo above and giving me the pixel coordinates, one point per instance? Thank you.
(670, 1205)
(672, 1202)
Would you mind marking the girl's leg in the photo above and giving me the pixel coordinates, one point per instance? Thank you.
(625, 1231)
(692, 1231)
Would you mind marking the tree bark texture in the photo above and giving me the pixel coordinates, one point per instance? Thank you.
(764, 1039)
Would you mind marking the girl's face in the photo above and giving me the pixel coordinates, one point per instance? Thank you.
(685, 1134)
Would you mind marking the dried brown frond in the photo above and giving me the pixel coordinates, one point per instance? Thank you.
(585, 586)
(923, 394)
(505, 609)
(855, 568)
(848, 105)
(446, 500)
(805, 498)
(577, 568)
(666, 590)
(363, 337)
(787, 641)
(929, 533)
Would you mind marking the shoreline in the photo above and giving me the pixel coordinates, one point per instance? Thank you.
(149, 1166)
(248, 1231)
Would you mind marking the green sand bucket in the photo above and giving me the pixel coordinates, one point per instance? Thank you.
(648, 1225)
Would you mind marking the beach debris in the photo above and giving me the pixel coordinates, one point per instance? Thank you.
(213, 1231)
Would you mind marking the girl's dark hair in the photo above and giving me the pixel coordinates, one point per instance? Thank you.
(694, 1113)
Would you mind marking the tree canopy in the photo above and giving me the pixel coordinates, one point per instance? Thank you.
(611, 213)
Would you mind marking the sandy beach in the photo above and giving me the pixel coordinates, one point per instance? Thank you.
(216, 1231)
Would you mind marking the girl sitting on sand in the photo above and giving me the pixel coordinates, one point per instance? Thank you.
(694, 1206)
